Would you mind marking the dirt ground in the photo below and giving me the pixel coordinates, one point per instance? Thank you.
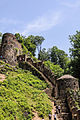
(2, 77)
(36, 117)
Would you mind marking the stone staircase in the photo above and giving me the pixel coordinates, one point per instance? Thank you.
(64, 110)
(73, 99)
(36, 72)
(64, 113)
(44, 73)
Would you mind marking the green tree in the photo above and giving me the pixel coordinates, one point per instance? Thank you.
(59, 57)
(27, 42)
(19, 37)
(44, 55)
(75, 54)
(30, 45)
(0, 37)
(31, 42)
(38, 42)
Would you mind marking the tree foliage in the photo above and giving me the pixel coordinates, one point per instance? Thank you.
(38, 42)
(0, 37)
(19, 37)
(75, 54)
(58, 71)
(44, 55)
(59, 57)
(31, 42)
(27, 43)
(75, 45)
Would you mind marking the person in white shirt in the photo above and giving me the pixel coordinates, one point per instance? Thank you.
(54, 116)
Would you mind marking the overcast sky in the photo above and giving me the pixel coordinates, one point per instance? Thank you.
(55, 20)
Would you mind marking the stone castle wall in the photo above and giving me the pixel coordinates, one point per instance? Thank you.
(73, 100)
(47, 72)
(64, 83)
(11, 51)
(40, 66)
(10, 48)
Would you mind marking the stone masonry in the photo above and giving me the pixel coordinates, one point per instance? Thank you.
(62, 85)
(10, 48)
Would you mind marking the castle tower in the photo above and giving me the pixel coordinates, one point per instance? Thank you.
(65, 82)
(10, 48)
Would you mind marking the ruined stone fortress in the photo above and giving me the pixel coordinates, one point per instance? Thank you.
(10, 48)
(11, 52)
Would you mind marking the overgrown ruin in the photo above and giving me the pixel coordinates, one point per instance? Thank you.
(64, 85)
(10, 48)
(11, 51)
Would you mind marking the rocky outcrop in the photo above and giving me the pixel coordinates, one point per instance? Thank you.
(10, 48)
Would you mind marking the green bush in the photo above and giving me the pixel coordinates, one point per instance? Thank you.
(58, 71)
(21, 93)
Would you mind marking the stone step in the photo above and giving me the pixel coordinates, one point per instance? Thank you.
(63, 116)
(59, 100)
(61, 103)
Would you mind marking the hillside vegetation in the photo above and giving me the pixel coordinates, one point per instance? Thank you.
(56, 69)
(22, 93)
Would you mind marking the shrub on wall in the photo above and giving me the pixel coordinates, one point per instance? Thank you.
(58, 71)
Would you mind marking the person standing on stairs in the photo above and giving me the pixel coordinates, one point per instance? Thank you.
(54, 116)
(42, 118)
(54, 103)
(56, 109)
(49, 116)
(1, 57)
(59, 108)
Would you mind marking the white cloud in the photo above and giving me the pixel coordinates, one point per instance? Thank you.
(43, 23)
(40, 24)
(72, 5)
(9, 21)
(10, 25)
